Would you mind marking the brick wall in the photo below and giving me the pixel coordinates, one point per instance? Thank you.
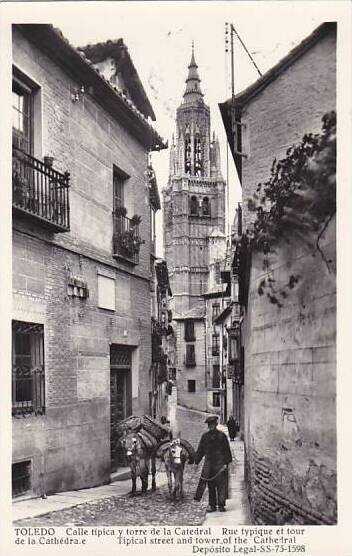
(70, 445)
(290, 353)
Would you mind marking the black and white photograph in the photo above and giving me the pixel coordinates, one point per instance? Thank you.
(173, 271)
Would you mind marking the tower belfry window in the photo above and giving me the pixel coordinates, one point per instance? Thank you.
(194, 205)
(206, 207)
(187, 153)
(198, 166)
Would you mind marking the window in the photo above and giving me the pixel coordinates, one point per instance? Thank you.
(216, 376)
(234, 347)
(118, 190)
(106, 293)
(187, 153)
(206, 206)
(152, 229)
(194, 206)
(21, 478)
(198, 166)
(190, 360)
(191, 386)
(215, 348)
(241, 144)
(189, 331)
(28, 394)
(217, 273)
(216, 399)
(22, 116)
(215, 310)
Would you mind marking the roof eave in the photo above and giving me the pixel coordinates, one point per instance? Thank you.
(255, 88)
(52, 42)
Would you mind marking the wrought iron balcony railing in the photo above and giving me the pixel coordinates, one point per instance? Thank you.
(126, 238)
(40, 191)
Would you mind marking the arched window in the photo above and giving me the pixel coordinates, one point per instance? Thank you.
(206, 207)
(198, 164)
(187, 153)
(194, 205)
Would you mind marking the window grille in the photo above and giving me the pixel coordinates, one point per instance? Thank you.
(21, 478)
(28, 382)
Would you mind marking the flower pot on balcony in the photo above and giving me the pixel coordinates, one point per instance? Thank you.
(49, 161)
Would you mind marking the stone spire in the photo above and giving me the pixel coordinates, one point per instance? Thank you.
(193, 91)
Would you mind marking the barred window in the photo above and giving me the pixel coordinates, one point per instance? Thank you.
(28, 395)
(21, 477)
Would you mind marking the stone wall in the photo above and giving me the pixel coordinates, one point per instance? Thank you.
(69, 446)
(290, 352)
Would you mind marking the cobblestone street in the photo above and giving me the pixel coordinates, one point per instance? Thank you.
(152, 508)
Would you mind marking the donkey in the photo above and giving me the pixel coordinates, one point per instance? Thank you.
(140, 456)
(174, 457)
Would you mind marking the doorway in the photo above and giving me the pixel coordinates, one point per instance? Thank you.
(120, 398)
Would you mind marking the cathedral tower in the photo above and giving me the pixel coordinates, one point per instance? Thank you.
(194, 199)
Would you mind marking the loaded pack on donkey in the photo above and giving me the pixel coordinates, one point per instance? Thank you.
(144, 440)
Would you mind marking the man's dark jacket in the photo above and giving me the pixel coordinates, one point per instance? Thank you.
(215, 448)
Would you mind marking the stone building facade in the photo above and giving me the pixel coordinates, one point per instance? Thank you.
(194, 208)
(290, 351)
(82, 246)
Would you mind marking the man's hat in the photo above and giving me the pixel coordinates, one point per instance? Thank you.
(211, 419)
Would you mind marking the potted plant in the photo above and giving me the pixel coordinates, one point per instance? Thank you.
(136, 220)
(120, 211)
(49, 161)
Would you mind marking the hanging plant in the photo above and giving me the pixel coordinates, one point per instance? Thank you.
(298, 200)
(135, 220)
(120, 211)
(129, 242)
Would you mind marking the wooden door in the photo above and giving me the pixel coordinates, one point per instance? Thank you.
(120, 399)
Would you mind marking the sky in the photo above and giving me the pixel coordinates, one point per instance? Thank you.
(159, 36)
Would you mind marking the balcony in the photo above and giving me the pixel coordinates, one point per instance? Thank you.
(40, 192)
(126, 239)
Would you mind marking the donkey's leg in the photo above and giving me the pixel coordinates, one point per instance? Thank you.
(153, 466)
(169, 478)
(181, 484)
(144, 476)
(133, 478)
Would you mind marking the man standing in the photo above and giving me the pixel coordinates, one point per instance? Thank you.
(215, 449)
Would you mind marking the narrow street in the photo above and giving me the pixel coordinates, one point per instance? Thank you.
(153, 508)
(112, 505)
